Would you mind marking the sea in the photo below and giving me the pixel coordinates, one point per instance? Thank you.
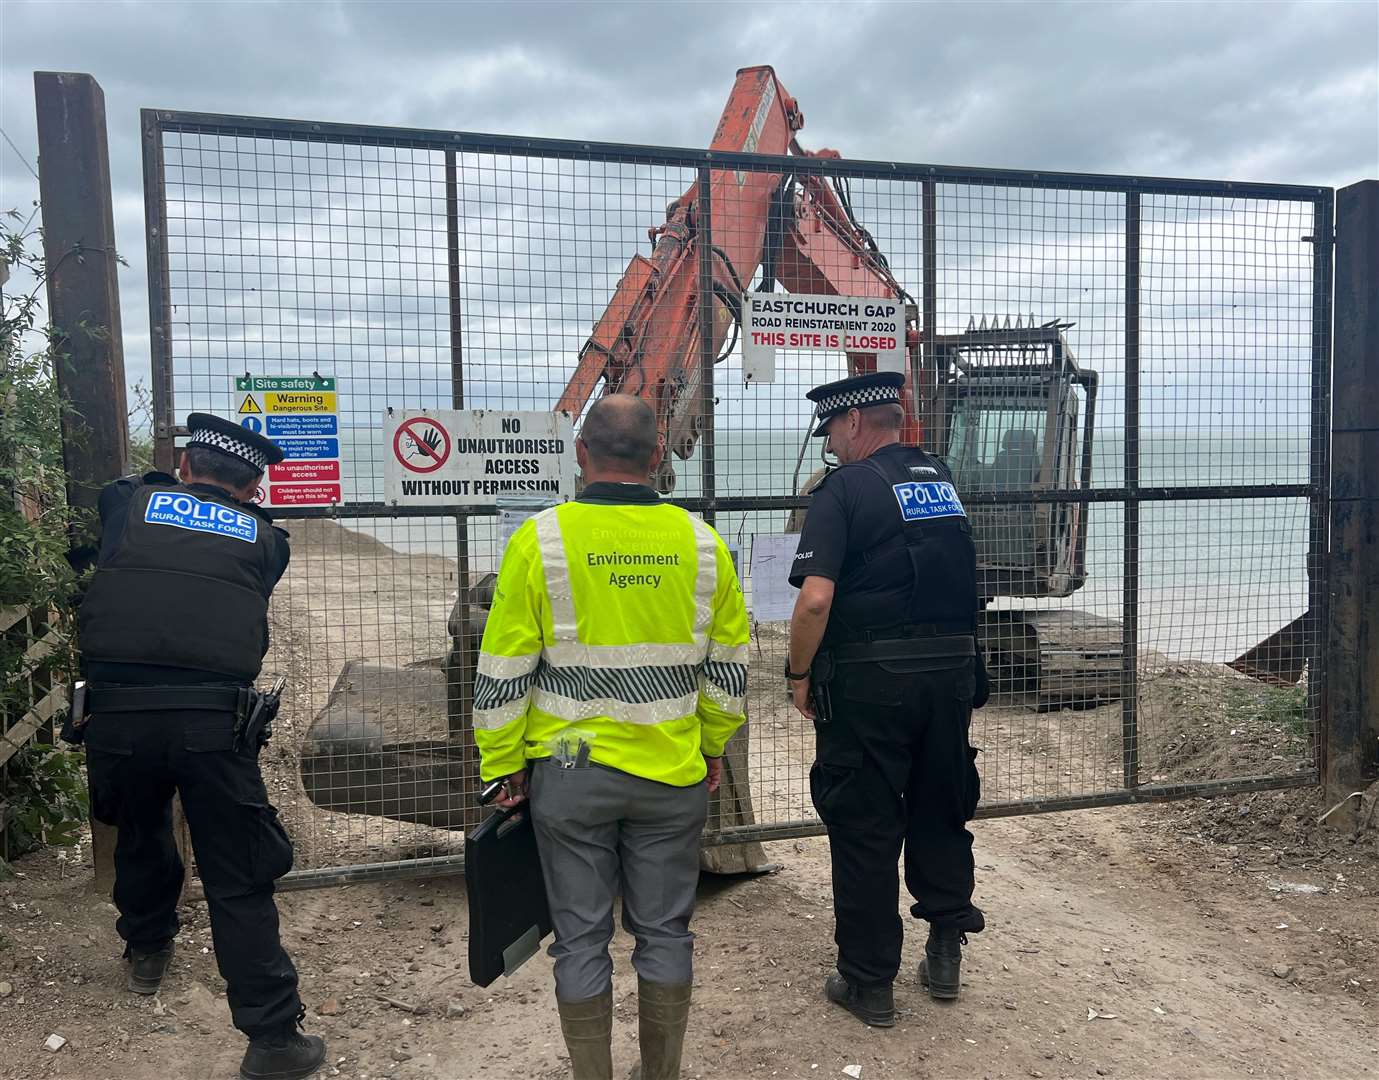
(1216, 576)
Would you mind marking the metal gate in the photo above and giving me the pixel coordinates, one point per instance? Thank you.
(1186, 484)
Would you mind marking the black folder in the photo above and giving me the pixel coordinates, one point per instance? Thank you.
(508, 911)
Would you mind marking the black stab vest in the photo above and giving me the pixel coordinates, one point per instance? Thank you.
(923, 577)
(186, 586)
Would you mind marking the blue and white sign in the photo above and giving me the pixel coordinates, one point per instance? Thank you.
(252, 423)
(197, 515)
(923, 501)
(289, 426)
(313, 449)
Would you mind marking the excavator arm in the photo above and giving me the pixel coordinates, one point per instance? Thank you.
(797, 229)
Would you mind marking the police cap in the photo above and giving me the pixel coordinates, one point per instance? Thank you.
(227, 437)
(859, 392)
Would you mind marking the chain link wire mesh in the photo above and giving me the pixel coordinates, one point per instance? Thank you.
(1126, 377)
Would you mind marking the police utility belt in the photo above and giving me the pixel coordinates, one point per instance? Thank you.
(938, 642)
(254, 710)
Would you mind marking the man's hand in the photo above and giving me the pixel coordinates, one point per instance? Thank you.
(807, 624)
(715, 767)
(514, 790)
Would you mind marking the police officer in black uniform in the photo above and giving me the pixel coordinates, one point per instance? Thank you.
(174, 628)
(883, 658)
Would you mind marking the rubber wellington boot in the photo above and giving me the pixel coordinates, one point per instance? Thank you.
(588, 1029)
(146, 970)
(286, 1055)
(662, 1016)
(875, 1007)
(940, 972)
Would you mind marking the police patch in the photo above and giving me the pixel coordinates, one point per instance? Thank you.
(186, 512)
(924, 501)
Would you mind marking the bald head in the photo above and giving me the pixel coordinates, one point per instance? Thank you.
(619, 434)
(883, 418)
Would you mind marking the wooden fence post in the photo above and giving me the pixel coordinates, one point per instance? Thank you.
(1352, 669)
(84, 308)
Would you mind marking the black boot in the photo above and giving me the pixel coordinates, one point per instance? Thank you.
(287, 1055)
(146, 970)
(940, 972)
(874, 1007)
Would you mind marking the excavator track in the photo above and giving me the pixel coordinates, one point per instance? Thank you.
(1053, 659)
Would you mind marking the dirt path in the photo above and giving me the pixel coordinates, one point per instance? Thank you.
(1180, 930)
(1200, 964)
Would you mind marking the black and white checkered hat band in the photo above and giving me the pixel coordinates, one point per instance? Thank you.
(227, 444)
(858, 399)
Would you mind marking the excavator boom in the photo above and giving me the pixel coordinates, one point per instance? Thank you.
(797, 229)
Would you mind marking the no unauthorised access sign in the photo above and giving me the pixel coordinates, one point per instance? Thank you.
(421, 444)
(471, 457)
(299, 414)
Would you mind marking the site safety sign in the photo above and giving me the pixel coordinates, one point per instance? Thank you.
(471, 457)
(301, 415)
(864, 325)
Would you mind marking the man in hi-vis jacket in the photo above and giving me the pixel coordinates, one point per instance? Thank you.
(613, 670)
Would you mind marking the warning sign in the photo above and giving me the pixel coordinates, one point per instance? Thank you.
(299, 414)
(848, 324)
(421, 445)
(311, 404)
(303, 471)
(303, 494)
(472, 457)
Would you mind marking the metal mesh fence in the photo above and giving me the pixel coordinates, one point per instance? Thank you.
(1126, 376)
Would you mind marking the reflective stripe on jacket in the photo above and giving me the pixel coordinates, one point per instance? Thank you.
(625, 620)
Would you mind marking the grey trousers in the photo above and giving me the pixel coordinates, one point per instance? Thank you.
(597, 828)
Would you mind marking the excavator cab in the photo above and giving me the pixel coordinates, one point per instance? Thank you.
(1014, 415)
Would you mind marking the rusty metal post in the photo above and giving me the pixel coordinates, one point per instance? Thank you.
(84, 307)
(1351, 706)
(464, 645)
(159, 290)
(707, 346)
(732, 803)
(1130, 583)
(931, 391)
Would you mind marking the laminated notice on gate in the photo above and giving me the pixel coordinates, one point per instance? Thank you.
(471, 457)
(865, 325)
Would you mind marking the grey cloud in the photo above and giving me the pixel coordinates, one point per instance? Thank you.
(1282, 92)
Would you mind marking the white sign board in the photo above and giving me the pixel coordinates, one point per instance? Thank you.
(300, 414)
(448, 457)
(773, 597)
(850, 324)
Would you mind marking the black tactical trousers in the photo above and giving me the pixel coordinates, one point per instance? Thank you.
(894, 769)
(135, 761)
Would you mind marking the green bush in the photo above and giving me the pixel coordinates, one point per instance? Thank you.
(33, 565)
(42, 786)
(47, 799)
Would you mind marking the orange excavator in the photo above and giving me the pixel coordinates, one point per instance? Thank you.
(798, 230)
(1004, 403)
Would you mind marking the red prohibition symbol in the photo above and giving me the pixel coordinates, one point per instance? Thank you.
(421, 444)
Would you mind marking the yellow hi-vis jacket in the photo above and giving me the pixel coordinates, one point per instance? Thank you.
(624, 619)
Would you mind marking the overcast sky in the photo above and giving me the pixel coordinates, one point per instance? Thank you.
(1270, 92)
